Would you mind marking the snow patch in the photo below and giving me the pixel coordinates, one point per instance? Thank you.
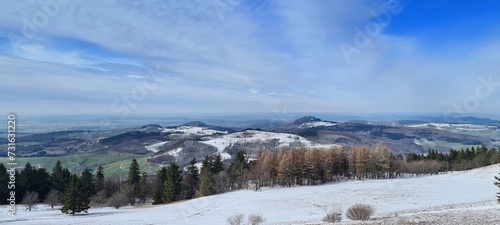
(156, 147)
(317, 124)
(189, 130)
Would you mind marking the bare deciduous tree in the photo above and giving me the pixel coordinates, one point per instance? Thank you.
(30, 199)
(53, 198)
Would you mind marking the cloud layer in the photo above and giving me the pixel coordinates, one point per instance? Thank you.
(65, 57)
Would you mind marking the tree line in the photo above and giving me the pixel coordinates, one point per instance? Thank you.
(460, 159)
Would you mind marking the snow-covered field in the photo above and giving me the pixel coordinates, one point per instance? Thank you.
(466, 197)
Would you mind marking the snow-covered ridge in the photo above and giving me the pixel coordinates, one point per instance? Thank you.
(190, 130)
(443, 126)
(317, 124)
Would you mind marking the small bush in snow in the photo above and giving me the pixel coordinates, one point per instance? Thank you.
(118, 200)
(98, 200)
(235, 220)
(255, 219)
(334, 216)
(360, 212)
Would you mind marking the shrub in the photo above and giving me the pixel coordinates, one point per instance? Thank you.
(255, 219)
(360, 212)
(235, 220)
(118, 200)
(98, 200)
(334, 216)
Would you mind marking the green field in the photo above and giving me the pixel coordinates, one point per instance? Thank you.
(121, 168)
(113, 163)
(452, 145)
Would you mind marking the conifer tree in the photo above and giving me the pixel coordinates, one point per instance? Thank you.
(190, 182)
(172, 186)
(42, 183)
(133, 181)
(207, 180)
(74, 200)
(100, 179)
(57, 178)
(25, 181)
(160, 181)
(239, 168)
(4, 180)
(143, 192)
(87, 184)
(217, 165)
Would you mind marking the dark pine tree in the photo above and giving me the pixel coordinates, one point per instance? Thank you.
(190, 182)
(87, 184)
(144, 189)
(217, 165)
(172, 186)
(42, 182)
(160, 181)
(134, 176)
(57, 178)
(26, 181)
(4, 180)
(99, 179)
(238, 169)
(74, 200)
(207, 180)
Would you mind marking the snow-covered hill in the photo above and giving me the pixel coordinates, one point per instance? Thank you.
(466, 197)
(283, 140)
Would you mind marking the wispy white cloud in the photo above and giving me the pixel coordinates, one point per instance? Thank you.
(258, 57)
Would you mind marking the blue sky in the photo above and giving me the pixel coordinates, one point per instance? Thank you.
(210, 56)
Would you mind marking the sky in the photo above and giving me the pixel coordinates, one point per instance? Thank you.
(239, 56)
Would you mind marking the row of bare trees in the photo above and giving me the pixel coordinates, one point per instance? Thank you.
(302, 166)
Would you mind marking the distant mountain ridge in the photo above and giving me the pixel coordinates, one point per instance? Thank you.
(197, 139)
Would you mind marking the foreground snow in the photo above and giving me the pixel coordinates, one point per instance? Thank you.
(466, 197)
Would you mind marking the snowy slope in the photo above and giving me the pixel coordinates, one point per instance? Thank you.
(156, 147)
(453, 198)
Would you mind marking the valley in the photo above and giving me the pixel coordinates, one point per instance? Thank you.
(156, 146)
